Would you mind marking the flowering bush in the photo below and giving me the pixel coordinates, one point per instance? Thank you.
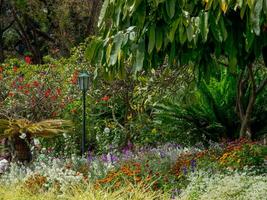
(219, 186)
(34, 92)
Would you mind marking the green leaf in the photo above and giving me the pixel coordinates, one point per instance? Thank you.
(204, 26)
(159, 39)
(251, 3)
(224, 5)
(223, 29)
(139, 58)
(239, 3)
(108, 51)
(90, 51)
(151, 42)
(173, 29)
(190, 32)
(103, 12)
(216, 31)
(117, 42)
(255, 16)
(249, 39)
(208, 4)
(265, 7)
(182, 33)
(170, 8)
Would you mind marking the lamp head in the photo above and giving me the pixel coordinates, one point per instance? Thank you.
(83, 81)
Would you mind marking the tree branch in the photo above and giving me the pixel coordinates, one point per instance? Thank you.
(8, 26)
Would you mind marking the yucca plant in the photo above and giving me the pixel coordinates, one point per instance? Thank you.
(20, 132)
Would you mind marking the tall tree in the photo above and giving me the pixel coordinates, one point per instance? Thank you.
(46, 27)
(6, 21)
(146, 33)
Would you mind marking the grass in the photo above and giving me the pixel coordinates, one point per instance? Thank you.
(19, 192)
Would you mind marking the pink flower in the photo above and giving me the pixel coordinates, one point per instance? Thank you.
(105, 98)
(27, 59)
(47, 93)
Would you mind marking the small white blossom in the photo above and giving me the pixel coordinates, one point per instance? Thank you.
(36, 142)
(106, 130)
(23, 136)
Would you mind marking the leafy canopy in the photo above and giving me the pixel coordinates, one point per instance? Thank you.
(144, 33)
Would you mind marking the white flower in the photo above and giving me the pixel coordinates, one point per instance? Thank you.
(106, 130)
(23, 136)
(3, 165)
(36, 142)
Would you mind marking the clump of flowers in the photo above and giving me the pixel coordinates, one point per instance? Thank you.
(243, 155)
(35, 183)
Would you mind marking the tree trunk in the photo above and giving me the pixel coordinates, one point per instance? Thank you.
(21, 151)
(245, 113)
(2, 56)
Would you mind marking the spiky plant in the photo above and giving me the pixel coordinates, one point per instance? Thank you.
(19, 133)
(208, 114)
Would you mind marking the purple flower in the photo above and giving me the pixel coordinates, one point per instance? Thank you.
(112, 158)
(104, 158)
(184, 170)
(175, 193)
(90, 156)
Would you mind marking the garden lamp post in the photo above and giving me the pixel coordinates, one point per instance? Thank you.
(83, 81)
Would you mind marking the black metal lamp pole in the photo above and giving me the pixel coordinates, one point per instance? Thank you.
(84, 122)
(83, 81)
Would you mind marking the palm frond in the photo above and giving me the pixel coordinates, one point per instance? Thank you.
(45, 128)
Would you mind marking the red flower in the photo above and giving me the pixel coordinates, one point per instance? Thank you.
(47, 93)
(10, 94)
(35, 83)
(20, 79)
(15, 68)
(1, 69)
(26, 92)
(54, 97)
(27, 59)
(14, 83)
(27, 85)
(74, 110)
(20, 87)
(74, 78)
(105, 98)
(58, 91)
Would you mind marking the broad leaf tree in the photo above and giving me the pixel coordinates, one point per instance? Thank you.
(205, 33)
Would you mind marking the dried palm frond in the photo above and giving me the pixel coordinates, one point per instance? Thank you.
(45, 128)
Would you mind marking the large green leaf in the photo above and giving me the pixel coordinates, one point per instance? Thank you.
(117, 42)
(251, 3)
(255, 16)
(151, 42)
(139, 58)
(170, 7)
(265, 7)
(215, 29)
(223, 29)
(91, 49)
(190, 32)
(103, 12)
(204, 25)
(173, 28)
(159, 38)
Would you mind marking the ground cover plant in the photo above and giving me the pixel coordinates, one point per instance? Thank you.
(170, 171)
